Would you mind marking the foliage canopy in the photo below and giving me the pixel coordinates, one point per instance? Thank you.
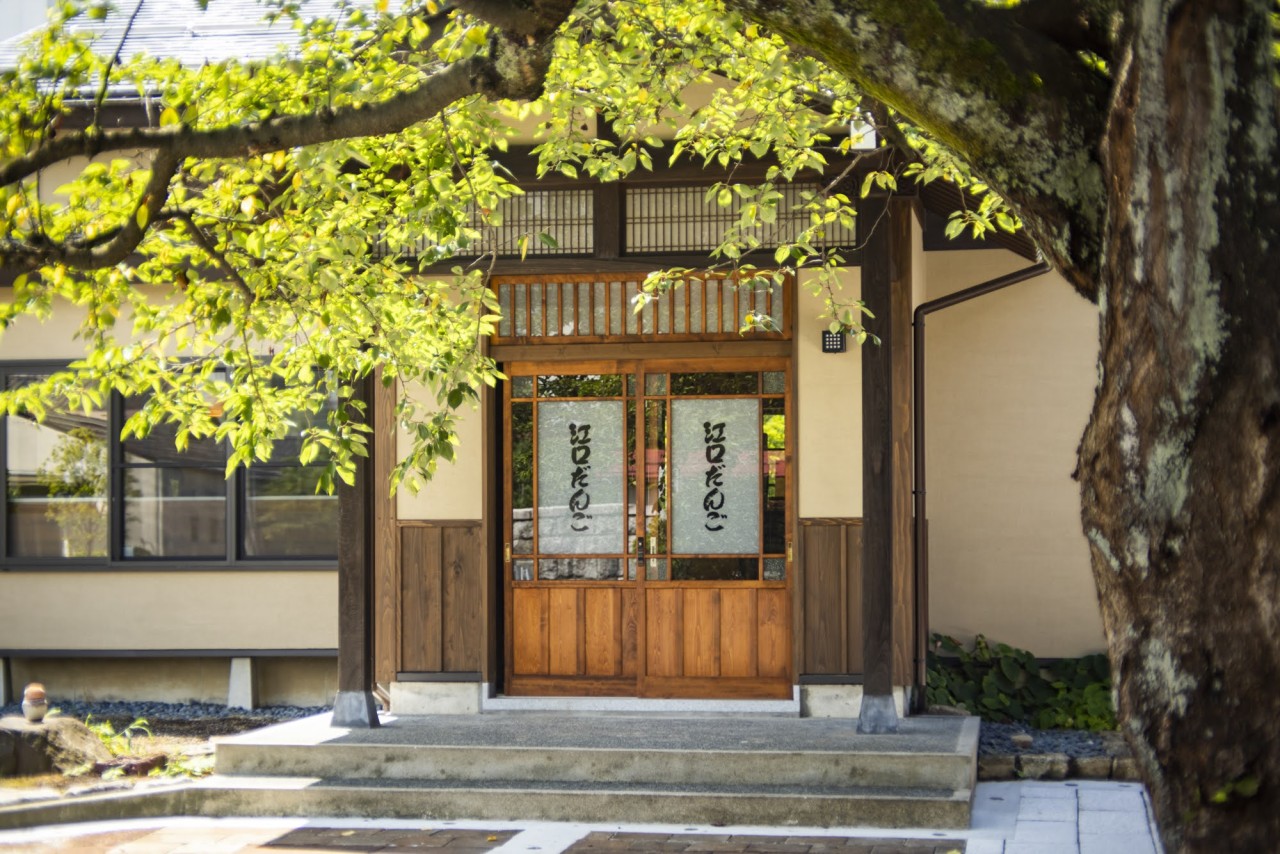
(254, 224)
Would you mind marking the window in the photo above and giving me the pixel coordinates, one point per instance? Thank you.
(75, 493)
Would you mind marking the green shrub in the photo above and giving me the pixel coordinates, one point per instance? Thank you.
(1002, 684)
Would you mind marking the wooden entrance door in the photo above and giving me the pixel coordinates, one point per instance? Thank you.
(648, 529)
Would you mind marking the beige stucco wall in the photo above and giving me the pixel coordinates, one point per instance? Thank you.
(280, 681)
(456, 491)
(1010, 379)
(828, 388)
(192, 609)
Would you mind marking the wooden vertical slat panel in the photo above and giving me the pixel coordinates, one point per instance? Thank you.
(529, 631)
(630, 627)
(701, 632)
(823, 640)
(462, 644)
(774, 641)
(420, 609)
(853, 550)
(900, 401)
(603, 622)
(564, 625)
(738, 632)
(663, 633)
(386, 580)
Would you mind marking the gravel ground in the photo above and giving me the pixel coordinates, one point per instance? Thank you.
(996, 740)
(195, 719)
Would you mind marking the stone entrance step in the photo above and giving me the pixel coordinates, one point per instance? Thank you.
(850, 806)
(594, 767)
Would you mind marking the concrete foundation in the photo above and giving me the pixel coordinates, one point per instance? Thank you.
(840, 701)
(242, 687)
(436, 698)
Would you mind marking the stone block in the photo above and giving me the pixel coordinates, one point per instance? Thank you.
(1125, 768)
(56, 744)
(1044, 766)
(1091, 767)
(1000, 767)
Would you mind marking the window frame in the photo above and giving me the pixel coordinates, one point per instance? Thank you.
(235, 495)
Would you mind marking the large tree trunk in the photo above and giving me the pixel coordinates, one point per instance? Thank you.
(1180, 463)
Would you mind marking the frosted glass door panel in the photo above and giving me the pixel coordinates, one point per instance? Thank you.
(581, 509)
(715, 483)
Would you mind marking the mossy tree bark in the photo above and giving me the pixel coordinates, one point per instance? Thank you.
(1157, 195)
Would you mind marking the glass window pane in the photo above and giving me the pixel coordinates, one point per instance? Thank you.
(535, 309)
(775, 477)
(736, 383)
(714, 569)
(175, 512)
(656, 569)
(157, 447)
(715, 483)
(655, 476)
(617, 307)
(581, 478)
(579, 569)
(775, 382)
(553, 308)
(57, 485)
(521, 317)
(504, 306)
(522, 570)
(655, 383)
(580, 385)
(775, 569)
(633, 289)
(522, 478)
(522, 386)
(285, 517)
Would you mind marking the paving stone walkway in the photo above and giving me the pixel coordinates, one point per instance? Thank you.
(1027, 817)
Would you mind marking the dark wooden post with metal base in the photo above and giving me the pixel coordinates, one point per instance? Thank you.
(885, 235)
(354, 706)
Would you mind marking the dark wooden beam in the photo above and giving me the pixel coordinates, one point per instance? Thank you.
(354, 706)
(884, 233)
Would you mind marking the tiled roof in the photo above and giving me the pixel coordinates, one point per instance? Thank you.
(227, 29)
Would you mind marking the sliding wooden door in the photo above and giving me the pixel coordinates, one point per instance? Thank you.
(648, 529)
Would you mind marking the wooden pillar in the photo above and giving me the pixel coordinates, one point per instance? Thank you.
(885, 235)
(354, 706)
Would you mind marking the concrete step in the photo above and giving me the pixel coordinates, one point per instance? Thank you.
(889, 807)
(478, 764)
(938, 753)
(606, 768)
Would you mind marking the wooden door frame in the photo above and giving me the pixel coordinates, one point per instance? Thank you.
(638, 366)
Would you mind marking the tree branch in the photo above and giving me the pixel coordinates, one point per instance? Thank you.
(1024, 111)
(108, 250)
(478, 76)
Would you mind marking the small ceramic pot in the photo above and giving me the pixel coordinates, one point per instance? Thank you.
(34, 703)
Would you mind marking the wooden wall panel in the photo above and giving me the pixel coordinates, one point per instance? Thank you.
(630, 619)
(825, 610)
(701, 632)
(462, 598)
(564, 638)
(441, 602)
(738, 632)
(774, 641)
(831, 630)
(664, 626)
(529, 627)
(420, 599)
(853, 596)
(602, 620)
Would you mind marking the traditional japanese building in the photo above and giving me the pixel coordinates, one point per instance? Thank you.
(654, 508)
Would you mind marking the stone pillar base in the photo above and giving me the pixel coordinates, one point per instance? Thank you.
(355, 709)
(242, 687)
